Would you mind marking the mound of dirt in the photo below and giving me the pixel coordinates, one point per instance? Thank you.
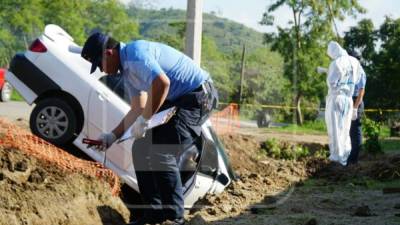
(243, 152)
(260, 179)
(36, 193)
(383, 168)
(266, 182)
(386, 169)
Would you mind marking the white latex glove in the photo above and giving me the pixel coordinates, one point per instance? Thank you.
(108, 139)
(139, 127)
(354, 115)
(322, 70)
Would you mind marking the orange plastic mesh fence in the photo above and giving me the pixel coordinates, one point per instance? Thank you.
(18, 138)
(226, 120)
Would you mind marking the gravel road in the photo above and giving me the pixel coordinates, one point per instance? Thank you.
(15, 110)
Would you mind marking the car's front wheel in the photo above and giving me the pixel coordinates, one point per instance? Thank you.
(54, 120)
(6, 92)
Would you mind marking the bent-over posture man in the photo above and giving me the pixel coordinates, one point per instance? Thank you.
(156, 77)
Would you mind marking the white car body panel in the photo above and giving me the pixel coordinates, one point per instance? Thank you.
(27, 93)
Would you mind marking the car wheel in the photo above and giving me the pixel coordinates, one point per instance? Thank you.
(54, 120)
(6, 92)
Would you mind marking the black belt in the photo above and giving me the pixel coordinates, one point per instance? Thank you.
(205, 86)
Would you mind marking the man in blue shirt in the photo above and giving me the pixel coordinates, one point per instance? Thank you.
(355, 129)
(156, 77)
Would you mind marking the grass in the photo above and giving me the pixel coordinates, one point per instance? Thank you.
(385, 131)
(309, 127)
(15, 96)
(390, 145)
(318, 127)
(366, 182)
(373, 184)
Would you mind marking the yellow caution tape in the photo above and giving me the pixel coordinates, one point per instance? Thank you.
(311, 108)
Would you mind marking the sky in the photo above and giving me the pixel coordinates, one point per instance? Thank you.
(249, 12)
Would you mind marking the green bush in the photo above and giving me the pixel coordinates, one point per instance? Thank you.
(302, 152)
(284, 150)
(15, 96)
(372, 132)
(322, 153)
(271, 146)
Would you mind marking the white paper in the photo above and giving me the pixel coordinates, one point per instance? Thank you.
(156, 120)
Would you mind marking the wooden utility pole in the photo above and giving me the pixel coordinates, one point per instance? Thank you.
(194, 28)
(242, 74)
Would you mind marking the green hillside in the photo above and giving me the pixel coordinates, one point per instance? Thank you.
(228, 35)
(222, 45)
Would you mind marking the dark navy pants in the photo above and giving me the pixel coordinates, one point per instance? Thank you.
(356, 136)
(155, 156)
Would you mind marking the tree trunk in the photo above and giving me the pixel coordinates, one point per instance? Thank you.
(299, 116)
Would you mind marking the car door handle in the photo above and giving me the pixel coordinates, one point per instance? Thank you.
(102, 96)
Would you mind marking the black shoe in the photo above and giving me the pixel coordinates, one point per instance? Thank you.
(180, 221)
(145, 220)
(140, 221)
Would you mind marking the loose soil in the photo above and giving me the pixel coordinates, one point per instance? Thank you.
(268, 191)
(36, 193)
(294, 137)
(311, 191)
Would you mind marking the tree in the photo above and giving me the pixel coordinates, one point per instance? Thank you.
(71, 15)
(216, 63)
(6, 43)
(110, 16)
(362, 39)
(303, 43)
(379, 50)
(20, 22)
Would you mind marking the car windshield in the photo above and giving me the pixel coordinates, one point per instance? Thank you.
(221, 150)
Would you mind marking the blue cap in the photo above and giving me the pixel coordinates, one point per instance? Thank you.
(93, 48)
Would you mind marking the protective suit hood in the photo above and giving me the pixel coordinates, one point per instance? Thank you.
(335, 50)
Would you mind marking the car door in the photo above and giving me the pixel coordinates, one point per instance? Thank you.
(105, 111)
(213, 171)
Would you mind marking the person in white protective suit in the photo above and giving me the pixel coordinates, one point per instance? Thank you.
(343, 73)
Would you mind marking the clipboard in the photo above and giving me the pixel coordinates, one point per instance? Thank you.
(155, 121)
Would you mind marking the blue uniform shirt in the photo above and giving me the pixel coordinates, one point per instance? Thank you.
(360, 84)
(142, 61)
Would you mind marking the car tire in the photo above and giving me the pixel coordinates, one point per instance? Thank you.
(6, 91)
(54, 120)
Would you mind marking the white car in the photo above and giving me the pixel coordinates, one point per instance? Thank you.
(72, 104)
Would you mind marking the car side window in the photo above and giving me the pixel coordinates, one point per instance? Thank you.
(115, 83)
